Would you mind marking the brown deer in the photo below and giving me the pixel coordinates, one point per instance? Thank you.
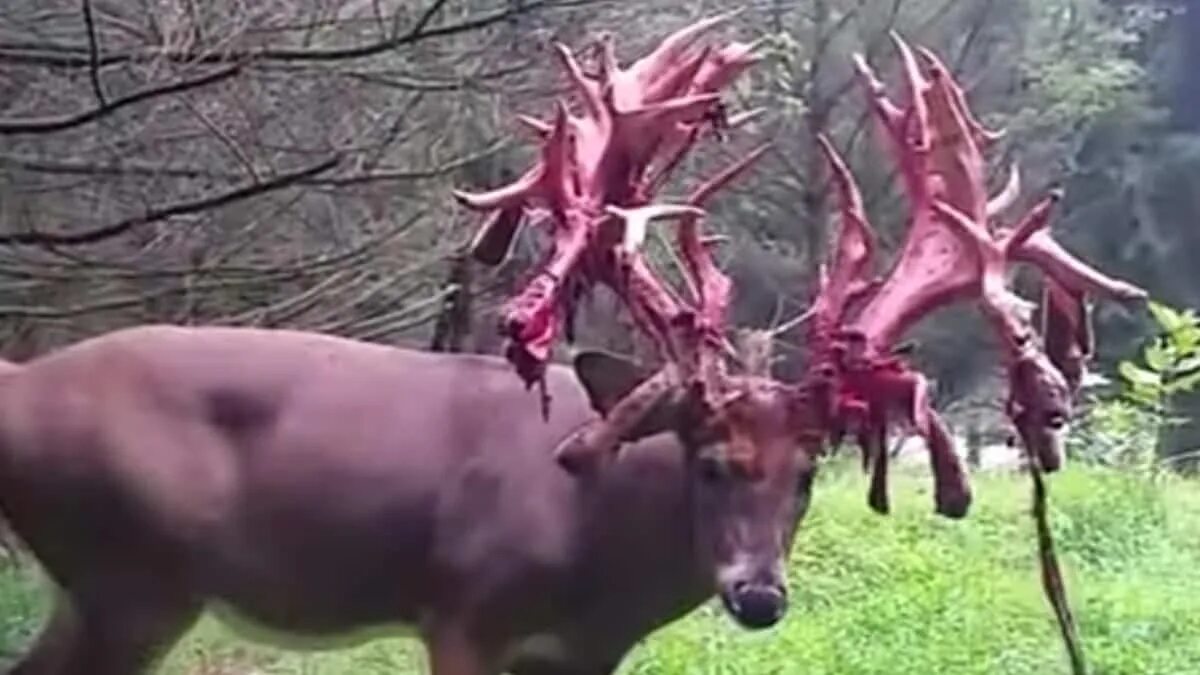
(317, 487)
(751, 435)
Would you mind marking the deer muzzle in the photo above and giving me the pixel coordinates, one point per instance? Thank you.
(756, 605)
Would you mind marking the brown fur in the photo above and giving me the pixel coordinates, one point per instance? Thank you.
(318, 486)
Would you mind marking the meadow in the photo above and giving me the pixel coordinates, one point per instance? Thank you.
(908, 593)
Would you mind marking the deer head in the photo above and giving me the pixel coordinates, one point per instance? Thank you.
(593, 186)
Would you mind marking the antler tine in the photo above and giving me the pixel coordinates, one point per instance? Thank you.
(712, 286)
(701, 194)
(853, 248)
(592, 178)
(678, 81)
(982, 136)
(538, 127)
(512, 194)
(907, 128)
(726, 64)
(588, 89)
(699, 331)
(493, 242)
(1008, 195)
(717, 71)
(672, 48)
(916, 89)
(956, 154)
(1044, 252)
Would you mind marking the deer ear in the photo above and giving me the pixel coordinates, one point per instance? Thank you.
(610, 379)
(607, 378)
(632, 403)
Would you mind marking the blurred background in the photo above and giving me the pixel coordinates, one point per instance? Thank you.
(171, 160)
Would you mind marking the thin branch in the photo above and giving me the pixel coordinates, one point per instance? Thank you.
(380, 175)
(384, 175)
(326, 262)
(51, 124)
(164, 212)
(427, 17)
(75, 56)
(1052, 581)
(93, 52)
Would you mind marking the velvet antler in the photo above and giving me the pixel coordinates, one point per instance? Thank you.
(695, 328)
(595, 179)
(951, 252)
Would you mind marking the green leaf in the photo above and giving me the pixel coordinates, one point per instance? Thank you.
(1183, 384)
(1138, 376)
(1187, 334)
(1186, 340)
(1157, 356)
(1187, 364)
(1168, 318)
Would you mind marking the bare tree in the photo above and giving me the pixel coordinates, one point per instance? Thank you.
(274, 163)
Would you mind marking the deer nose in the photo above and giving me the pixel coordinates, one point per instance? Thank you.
(757, 606)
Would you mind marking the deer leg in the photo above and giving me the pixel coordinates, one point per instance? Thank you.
(453, 651)
(113, 634)
(546, 669)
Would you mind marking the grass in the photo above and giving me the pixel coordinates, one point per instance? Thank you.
(910, 593)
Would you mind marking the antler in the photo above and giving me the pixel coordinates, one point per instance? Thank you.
(695, 328)
(951, 252)
(596, 177)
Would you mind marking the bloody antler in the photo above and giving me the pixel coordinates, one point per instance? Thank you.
(951, 252)
(696, 331)
(595, 178)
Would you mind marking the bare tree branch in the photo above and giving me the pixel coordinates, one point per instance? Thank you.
(161, 213)
(75, 56)
(380, 175)
(45, 125)
(93, 52)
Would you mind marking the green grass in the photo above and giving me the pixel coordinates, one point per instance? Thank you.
(910, 593)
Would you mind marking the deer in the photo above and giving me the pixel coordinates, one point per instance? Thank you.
(317, 489)
(739, 422)
(314, 489)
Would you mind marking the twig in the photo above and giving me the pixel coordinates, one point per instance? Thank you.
(44, 125)
(426, 17)
(163, 212)
(453, 323)
(1052, 581)
(93, 52)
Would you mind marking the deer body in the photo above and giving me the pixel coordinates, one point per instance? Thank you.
(317, 486)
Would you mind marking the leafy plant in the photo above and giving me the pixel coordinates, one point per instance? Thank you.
(1126, 428)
